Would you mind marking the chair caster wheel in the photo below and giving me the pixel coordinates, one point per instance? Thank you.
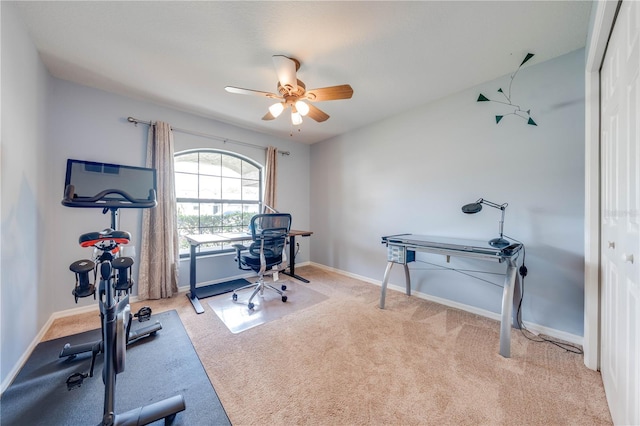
(234, 297)
(251, 306)
(284, 298)
(284, 287)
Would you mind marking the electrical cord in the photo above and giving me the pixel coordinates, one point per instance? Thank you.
(295, 253)
(540, 339)
(460, 271)
(522, 270)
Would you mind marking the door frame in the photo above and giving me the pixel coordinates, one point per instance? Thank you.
(602, 19)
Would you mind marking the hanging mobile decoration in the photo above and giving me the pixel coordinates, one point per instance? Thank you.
(525, 115)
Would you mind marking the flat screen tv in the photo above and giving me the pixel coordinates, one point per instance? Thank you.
(90, 181)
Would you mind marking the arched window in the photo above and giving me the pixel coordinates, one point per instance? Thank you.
(217, 191)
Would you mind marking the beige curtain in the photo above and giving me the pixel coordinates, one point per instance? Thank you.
(270, 179)
(158, 275)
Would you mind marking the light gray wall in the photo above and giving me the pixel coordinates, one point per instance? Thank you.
(24, 286)
(413, 172)
(47, 121)
(409, 173)
(90, 124)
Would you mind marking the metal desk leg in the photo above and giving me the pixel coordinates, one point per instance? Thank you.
(385, 281)
(407, 279)
(507, 309)
(193, 298)
(292, 260)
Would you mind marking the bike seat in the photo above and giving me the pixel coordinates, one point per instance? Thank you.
(92, 238)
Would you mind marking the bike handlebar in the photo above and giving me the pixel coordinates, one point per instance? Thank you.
(101, 201)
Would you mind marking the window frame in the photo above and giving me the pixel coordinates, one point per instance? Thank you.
(208, 250)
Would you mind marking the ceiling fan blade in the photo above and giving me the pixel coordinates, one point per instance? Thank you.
(268, 116)
(317, 114)
(286, 71)
(241, 91)
(343, 91)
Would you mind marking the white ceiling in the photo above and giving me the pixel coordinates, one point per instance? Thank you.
(395, 55)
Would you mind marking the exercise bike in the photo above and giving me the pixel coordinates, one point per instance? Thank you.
(116, 319)
(114, 287)
(106, 247)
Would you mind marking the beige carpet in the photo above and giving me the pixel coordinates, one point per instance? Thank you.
(346, 362)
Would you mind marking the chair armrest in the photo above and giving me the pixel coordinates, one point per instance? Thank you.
(239, 248)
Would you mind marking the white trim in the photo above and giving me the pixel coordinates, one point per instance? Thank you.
(536, 328)
(186, 288)
(604, 12)
(81, 310)
(38, 338)
(25, 356)
(85, 309)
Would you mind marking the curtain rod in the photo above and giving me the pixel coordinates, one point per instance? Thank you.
(205, 135)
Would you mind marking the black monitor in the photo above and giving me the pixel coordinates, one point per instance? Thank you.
(93, 184)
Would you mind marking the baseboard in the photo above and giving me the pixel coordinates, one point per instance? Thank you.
(54, 316)
(558, 334)
(301, 264)
(186, 288)
(536, 328)
(25, 356)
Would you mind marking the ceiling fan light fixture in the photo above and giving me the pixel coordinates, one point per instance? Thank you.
(302, 108)
(292, 93)
(276, 109)
(296, 118)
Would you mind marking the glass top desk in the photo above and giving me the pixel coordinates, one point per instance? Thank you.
(196, 293)
(401, 249)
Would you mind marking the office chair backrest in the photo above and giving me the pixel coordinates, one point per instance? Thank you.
(272, 230)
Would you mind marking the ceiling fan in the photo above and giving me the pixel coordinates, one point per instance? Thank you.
(293, 93)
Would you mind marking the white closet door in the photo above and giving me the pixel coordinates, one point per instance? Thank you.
(620, 215)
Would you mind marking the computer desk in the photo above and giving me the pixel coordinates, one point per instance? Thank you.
(401, 249)
(197, 293)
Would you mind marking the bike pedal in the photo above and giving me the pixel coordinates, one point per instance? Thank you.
(143, 314)
(75, 380)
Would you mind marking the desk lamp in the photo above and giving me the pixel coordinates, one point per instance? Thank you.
(267, 207)
(477, 206)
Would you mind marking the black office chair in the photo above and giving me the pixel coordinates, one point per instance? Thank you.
(266, 253)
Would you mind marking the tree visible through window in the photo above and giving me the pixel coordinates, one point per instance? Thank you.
(216, 191)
